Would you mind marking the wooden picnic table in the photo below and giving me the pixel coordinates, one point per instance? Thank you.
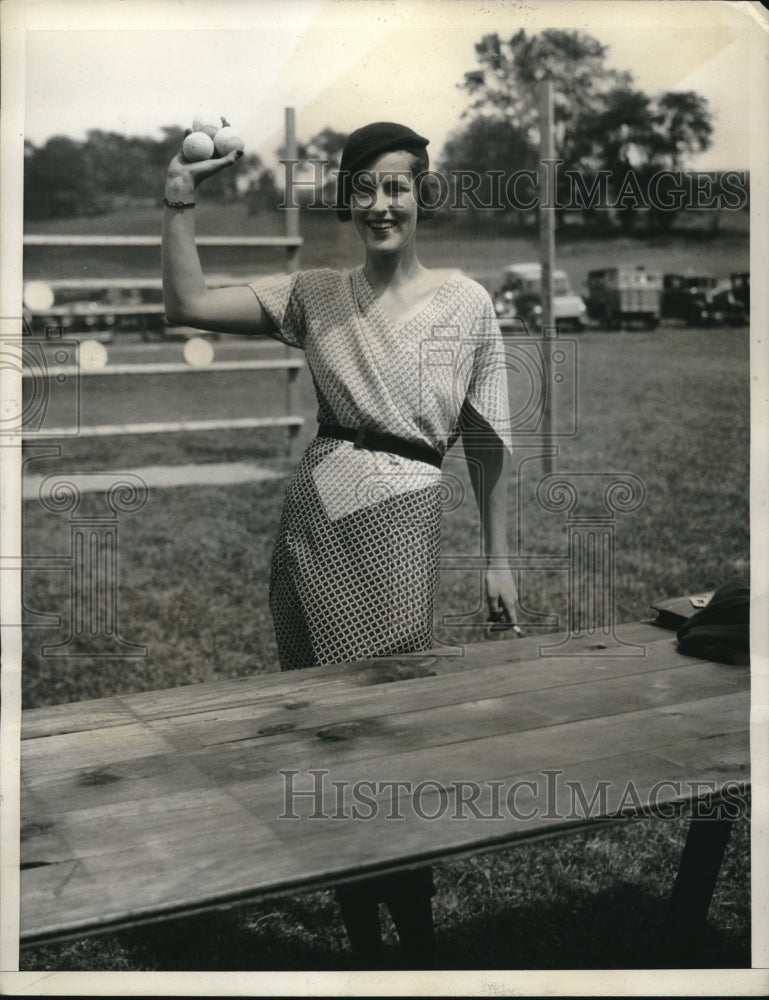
(154, 805)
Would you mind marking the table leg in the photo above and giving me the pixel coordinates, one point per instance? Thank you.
(408, 896)
(360, 913)
(409, 901)
(703, 852)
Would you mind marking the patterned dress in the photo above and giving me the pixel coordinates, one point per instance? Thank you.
(355, 564)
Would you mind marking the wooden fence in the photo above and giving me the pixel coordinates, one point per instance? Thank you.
(291, 241)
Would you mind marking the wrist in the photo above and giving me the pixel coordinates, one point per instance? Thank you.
(180, 189)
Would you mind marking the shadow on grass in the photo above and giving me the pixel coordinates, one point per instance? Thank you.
(301, 933)
(616, 929)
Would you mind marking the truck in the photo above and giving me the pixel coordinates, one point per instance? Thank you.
(519, 297)
(624, 296)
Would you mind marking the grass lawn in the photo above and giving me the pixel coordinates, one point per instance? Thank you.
(669, 406)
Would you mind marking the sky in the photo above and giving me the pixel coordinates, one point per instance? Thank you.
(134, 65)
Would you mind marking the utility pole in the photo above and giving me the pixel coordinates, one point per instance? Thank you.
(547, 199)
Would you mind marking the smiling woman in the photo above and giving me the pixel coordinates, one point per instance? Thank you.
(405, 360)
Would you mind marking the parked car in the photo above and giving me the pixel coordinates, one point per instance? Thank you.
(722, 307)
(77, 312)
(620, 296)
(139, 309)
(520, 296)
(684, 297)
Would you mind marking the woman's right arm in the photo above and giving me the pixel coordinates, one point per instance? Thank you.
(188, 301)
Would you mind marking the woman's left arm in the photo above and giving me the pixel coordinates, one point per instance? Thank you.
(489, 465)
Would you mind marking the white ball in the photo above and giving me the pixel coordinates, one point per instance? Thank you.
(93, 355)
(38, 295)
(227, 139)
(198, 146)
(198, 352)
(208, 122)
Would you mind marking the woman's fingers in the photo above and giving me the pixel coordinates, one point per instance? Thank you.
(499, 611)
(198, 170)
(502, 597)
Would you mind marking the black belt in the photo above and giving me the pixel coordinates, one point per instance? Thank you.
(373, 441)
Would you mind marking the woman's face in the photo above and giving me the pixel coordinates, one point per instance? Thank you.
(383, 204)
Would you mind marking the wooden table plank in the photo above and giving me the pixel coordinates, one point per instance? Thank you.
(436, 710)
(75, 717)
(371, 744)
(238, 871)
(491, 757)
(87, 758)
(298, 685)
(285, 697)
(269, 716)
(168, 802)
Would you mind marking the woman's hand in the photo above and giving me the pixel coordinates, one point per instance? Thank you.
(502, 595)
(184, 175)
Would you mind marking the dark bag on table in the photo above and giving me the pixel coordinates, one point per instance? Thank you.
(721, 630)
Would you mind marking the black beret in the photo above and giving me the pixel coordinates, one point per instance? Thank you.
(364, 145)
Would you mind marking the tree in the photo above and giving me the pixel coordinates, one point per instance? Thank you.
(506, 83)
(67, 177)
(57, 181)
(645, 135)
(683, 127)
(601, 122)
(487, 143)
(326, 145)
(118, 163)
(262, 194)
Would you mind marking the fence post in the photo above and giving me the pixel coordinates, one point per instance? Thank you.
(292, 263)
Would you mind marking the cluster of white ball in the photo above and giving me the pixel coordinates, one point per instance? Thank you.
(210, 134)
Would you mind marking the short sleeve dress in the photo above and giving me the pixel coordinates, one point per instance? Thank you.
(355, 564)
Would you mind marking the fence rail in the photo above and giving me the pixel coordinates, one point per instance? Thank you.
(171, 368)
(290, 242)
(293, 423)
(289, 364)
(212, 280)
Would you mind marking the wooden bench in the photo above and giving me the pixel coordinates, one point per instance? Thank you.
(146, 806)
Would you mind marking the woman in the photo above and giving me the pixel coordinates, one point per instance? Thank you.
(404, 360)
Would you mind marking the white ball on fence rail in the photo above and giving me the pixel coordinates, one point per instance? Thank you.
(93, 355)
(38, 295)
(198, 352)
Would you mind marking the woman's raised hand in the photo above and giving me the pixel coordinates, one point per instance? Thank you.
(185, 175)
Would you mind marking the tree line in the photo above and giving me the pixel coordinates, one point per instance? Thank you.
(97, 175)
(606, 129)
